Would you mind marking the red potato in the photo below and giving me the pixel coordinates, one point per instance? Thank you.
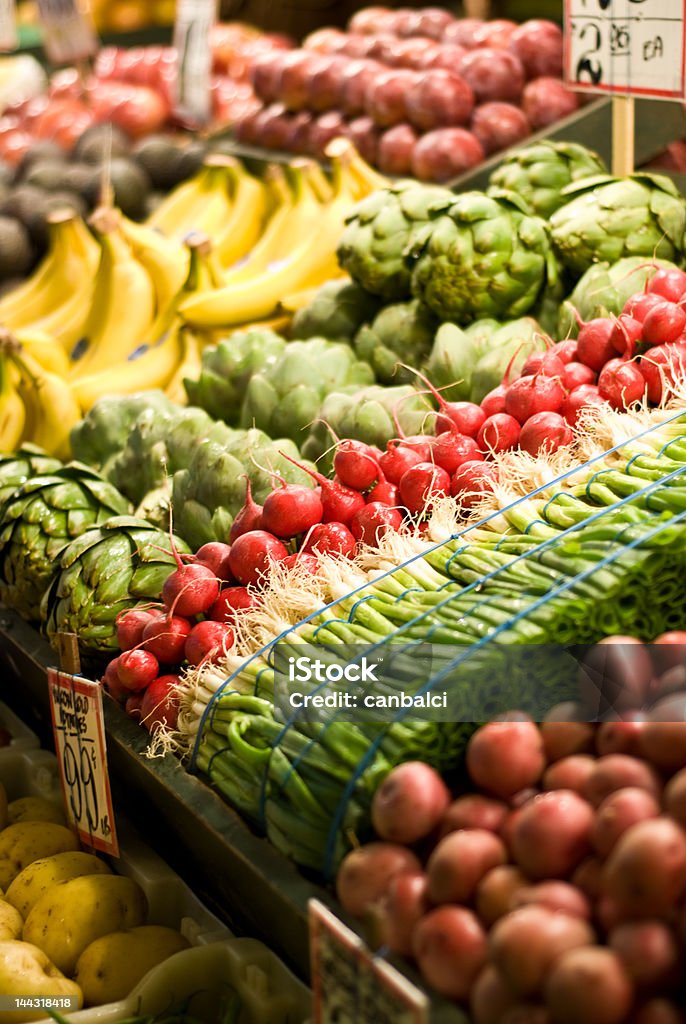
(658, 1011)
(450, 948)
(473, 811)
(675, 798)
(445, 153)
(409, 803)
(366, 873)
(504, 757)
(490, 998)
(509, 825)
(404, 906)
(570, 772)
(526, 1013)
(669, 650)
(493, 74)
(620, 737)
(463, 32)
(552, 834)
(497, 32)
(538, 44)
(439, 99)
(646, 872)
(459, 862)
(663, 739)
(617, 771)
(444, 56)
(524, 945)
(386, 100)
(432, 22)
(496, 892)
(407, 53)
(649, 952)
(617, 814)
(559, 897)
(589, 985)
(615, 675)
(670, 682)
(395, 150)
(547, 99)
(564, 738)
(588, 877)
(498, 125)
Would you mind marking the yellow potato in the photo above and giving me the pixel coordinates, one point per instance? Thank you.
(3, 807)
(28, 887)
(34, 808)
(71, 915)
(26, 841)
(27, 971)
(111, 967)
(11, 922)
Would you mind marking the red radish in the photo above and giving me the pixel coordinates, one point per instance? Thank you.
(640, 304)
(451, 949)
(669, 283)
(471, 481)
(207, 641)
(248, 518)
(134, 705)
(575, 374)
(661, 366)
(130, 626)
(371, 523)
(545, 430)
(498, 433)
(465, 417)
(303, 560)
(112, 682)
(566, 351)
(366, 873)
(355, 465)
(451, 450)
(594, 344)
(137, 669)
(621, 383)
(291, 509)
(494, 402)
(160, 704)
(215, 556)
(339, 503)
(420, 443)
(190, 590)
(534, 393)
(384, 492)
(665, 322)
(231, 602)
(165, 637)
(626, 335)
(331, 539)
(397, 459)
(252, 554)
(409, 803)
(579, 399)
(403, 908)
(421, 484)
(548, 364)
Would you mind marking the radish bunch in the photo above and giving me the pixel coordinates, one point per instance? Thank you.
(553, 889)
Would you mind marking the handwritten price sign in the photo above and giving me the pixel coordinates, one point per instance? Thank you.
(350, 985)
(77, 721)
(68, 35)
(194, 22)
(630, 47)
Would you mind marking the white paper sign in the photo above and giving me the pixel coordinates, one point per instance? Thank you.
(68, 35)
(630, 47)
(194, 21)
(8, 25)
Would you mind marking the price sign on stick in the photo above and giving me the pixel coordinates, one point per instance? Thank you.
(8, 25)
(350, 985)
(77, 721)
(194, 21)
(68, 35)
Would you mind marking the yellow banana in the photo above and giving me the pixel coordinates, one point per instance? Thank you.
(47, 352)
(12, 410)
(51, 408)
(67, 322)
(123, 307)
(311, 262)
(243, 229)
(189, 367)
(204, 272)
(165, 259)
(201, 204)
(70, 264)
(364, 177)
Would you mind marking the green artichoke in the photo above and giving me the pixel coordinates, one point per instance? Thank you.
(379, 231)
(24, 464)
(508, 349)
(606, 218)
(105, 428)
(158, 445)
(226, 371)
(401, 333)
(487, 256)
(604, 289)
(207, 495)
(122, 563)
(39, 519)
(454, 355)
(538, 173)
(336, 312)
(286, 397)
(367, 416)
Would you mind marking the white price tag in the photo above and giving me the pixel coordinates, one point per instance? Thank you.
(194, 21)
(350, 985)
(77, 722)
(68, 35)
(630, 47)
(9, 39)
